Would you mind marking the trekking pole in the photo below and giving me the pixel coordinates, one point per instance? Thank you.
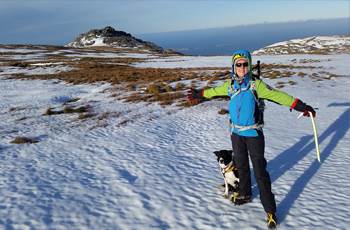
(315, 135)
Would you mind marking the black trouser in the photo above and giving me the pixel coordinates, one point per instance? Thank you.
(255, 146)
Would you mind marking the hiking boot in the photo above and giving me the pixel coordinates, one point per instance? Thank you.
(271, 220)
(239, 200)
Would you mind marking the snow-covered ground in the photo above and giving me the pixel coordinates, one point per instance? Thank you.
(330, 44)
(34, 69)
(112, 55)
(335, 63)
(185, 62)
(38, 54)
(157, 171)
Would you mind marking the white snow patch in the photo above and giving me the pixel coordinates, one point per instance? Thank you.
(330, 44)
(186, 62)
(112, 55)
(99, 42)
(25, 57)
(20, 50)
(47, 64)
(8, 70)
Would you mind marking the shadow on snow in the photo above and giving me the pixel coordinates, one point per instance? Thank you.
(283, 162)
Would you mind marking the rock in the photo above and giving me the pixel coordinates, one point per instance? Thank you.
(110, 37)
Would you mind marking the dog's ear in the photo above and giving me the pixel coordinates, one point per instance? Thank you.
(217, 153)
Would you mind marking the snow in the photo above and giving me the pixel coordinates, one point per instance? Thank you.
(19, 50)
(332, 63)
(278, 44)
(186, 62)
(36, 70)
(99, 42)
(48, 63)
(25, 57)
(59, 52)
(329, 44)
(319, 41)
(158, 171)
(23, 53)
(90, 41)
(111, 55)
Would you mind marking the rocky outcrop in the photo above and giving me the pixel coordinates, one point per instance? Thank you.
(110, 37)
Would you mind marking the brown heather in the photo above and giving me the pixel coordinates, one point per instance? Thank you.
(24, 140)
(161, 85)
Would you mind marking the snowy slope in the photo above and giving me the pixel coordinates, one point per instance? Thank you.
(309, 45)
(157, 171)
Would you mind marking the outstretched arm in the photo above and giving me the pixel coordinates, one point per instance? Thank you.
(197, 95)
(221, 90)
(267, 92)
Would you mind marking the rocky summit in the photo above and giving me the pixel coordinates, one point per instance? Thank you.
(110, 37)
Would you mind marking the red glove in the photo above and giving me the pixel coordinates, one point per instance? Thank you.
(195, 96)
(300, 106)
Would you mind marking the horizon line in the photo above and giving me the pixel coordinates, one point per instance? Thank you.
(243, 25)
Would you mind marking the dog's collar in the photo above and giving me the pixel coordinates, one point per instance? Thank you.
(230, 167)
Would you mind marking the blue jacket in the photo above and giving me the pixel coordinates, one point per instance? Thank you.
(243, 107)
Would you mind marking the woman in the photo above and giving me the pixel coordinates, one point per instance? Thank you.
(246, 127)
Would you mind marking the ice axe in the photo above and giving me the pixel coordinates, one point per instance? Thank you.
(315, 135)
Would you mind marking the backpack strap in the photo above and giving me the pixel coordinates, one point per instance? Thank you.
(253, 89)
(259, 101)
(232, 92)
(230, 89)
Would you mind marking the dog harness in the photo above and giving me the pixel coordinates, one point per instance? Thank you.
(230, 167)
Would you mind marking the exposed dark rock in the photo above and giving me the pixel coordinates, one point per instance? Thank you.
(108, 36)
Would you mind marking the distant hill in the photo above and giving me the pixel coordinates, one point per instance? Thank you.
(109, 37)
(223, 41)
(309, 45)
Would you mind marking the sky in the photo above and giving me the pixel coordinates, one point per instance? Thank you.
(60, 21)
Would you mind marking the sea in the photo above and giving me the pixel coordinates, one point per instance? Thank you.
(223, 41)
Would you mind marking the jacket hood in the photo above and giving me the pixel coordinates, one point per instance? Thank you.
(239, 54)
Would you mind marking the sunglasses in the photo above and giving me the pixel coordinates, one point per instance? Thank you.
(244, 64)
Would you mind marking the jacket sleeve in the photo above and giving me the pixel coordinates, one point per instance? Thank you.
(221, 90)
(267, 92)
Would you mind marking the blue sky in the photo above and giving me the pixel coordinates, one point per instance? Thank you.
(59, 21)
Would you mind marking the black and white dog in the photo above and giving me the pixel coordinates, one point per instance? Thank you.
(229, 171)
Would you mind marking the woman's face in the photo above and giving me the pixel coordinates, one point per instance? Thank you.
(241, 67)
